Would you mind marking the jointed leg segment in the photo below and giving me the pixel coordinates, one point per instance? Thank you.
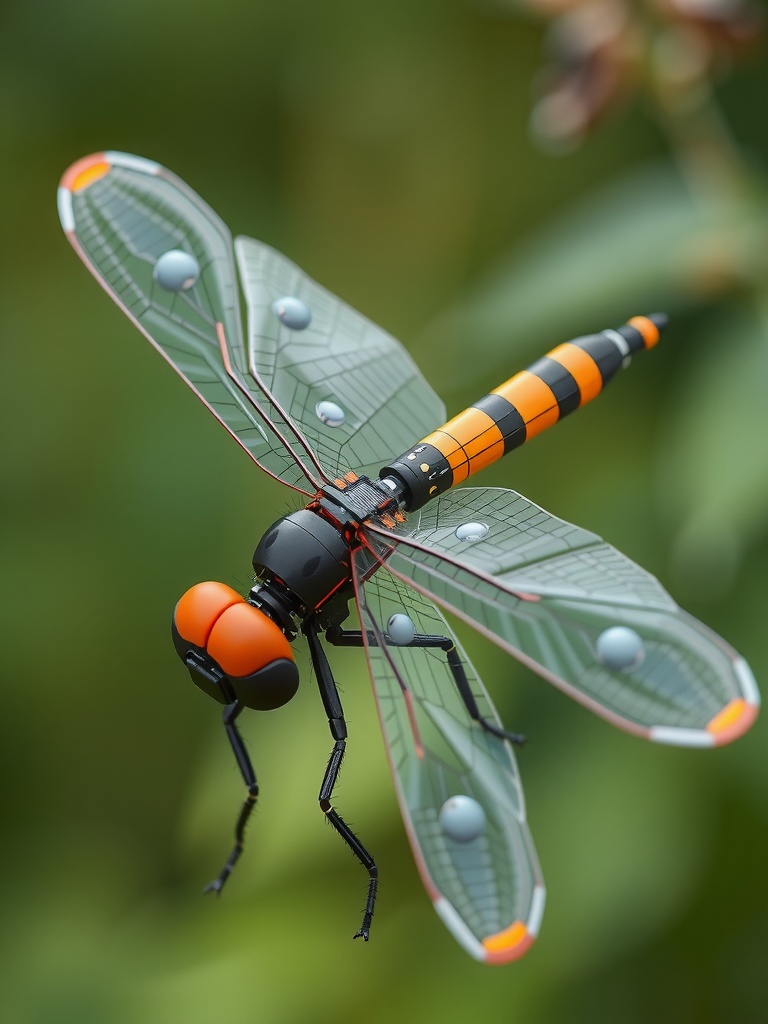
(338, 727)
(354, 638)
(332, 704)
(231, 712)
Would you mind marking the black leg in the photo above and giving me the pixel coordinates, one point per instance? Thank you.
(338, 727)
(231, 712)
(354, 638)
(465, 692)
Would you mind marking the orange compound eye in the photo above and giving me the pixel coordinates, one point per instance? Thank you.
(255, 655)
(200, 608)
(244, 640)
(220, 636)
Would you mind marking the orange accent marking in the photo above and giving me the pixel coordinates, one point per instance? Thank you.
(197, 611)
(508, 945)
(533, 399)
(341, 484)
(222, 339)
(331, 592)
(735, 718)
(84, 172)
(244, 640)
(351, 476)
(417, 743)
(647, 328)
(582, 367)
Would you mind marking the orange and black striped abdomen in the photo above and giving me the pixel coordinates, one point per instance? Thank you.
(567, 377)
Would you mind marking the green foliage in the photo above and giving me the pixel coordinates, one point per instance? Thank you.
(384, 148)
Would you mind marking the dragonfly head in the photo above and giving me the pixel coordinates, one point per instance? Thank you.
(233, 649)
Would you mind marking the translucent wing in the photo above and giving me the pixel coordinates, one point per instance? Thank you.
(317, 390)
(576, 611)
(353, 390)
(129, 219)
(486, 884)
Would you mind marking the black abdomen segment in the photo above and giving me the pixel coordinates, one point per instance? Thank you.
(567, 377)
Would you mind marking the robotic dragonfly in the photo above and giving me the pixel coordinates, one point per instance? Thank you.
(320, 398)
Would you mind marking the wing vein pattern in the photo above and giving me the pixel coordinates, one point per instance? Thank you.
(491, 885)
(340, 357)
(547, 592)
(122, 223)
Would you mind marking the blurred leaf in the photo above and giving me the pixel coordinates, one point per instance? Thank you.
(384, 148)
(714, 469)
(644, 244)
(606, 797)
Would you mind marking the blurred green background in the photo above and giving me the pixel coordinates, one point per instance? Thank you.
(387, 149)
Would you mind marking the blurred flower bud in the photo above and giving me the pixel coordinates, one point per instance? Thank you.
(600, 50)
(593, 53)
(729, 24)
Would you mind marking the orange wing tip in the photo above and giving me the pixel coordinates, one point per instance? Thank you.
(728, 724)
(84, 172)
(80, 175)
(503, 947)
(733, 721)
(509, 945)
(739, 714)
(90, 169)
(646, 328)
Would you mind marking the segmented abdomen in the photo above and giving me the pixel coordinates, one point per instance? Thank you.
(567, 377)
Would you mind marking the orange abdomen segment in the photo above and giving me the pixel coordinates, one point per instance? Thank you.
(468, 442)
(566, 378)
(534, 400)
